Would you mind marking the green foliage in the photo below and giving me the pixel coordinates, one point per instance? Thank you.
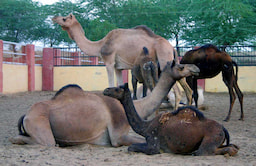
(220, 22)
(197, 22)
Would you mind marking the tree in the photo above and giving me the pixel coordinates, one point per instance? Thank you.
(219, 22)
(19, 18)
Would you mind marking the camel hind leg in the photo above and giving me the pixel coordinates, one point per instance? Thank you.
(231, 149)
(37, 125)
(240, 97)
(229, 79)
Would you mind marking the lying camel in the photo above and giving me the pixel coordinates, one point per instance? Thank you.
(144, 71)
(75, 117)
(120, 47)
(184, 131)
(211, 61)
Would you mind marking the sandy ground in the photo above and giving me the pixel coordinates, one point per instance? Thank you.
(243, 133)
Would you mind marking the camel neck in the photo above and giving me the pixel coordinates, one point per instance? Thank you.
(134, 119)
(147, 105)
(90, 48)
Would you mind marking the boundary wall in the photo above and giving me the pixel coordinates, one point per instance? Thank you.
(30, 77)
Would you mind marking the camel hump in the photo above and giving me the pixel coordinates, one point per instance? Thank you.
(210, 46)
(66, 87)
(146, 29)
(198, 114)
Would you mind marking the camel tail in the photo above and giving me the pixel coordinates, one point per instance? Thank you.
(21, 128)
(226, 135)
(235, 64)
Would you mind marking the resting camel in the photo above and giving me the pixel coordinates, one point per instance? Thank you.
(184, 131)
(120, 47)
(211, 61)
(75, 117)
(144, 71)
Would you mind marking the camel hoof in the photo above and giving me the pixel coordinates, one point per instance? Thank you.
(227, 119)
(242, 119)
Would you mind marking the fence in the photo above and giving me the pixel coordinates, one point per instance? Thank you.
(72, 56)
(15, 53)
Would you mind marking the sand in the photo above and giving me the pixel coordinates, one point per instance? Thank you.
(12, 106)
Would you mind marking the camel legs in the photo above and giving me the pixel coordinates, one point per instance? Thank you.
(240, 97)
(21, 140)
(177, 95)
(231, 82)
(119, 77)
(151, 147)
(134, 85)
(187, 89)
(110, 71)
(39, 129)
(231, 150)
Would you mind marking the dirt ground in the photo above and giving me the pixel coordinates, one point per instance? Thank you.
(242, 133)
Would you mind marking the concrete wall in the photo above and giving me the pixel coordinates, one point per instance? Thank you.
(246, 81)
(15, 78)
(89, 78)
(95, 78)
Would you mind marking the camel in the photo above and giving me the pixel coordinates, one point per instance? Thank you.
(120, 47)
(184, 131)
(144, 71)
(211, 61)
(74, 117)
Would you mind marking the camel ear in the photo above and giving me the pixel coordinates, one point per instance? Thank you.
(126, 86)
(71, 15)
(173, 63)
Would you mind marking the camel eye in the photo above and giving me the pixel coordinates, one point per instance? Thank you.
(64, 19)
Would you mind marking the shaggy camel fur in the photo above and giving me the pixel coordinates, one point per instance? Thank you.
(120, 47)
(144, 71)
(76, 117)
(211, 61)
(184, 131)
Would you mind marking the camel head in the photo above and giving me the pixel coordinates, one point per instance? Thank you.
(178, 71)
(65, 22)
(116, 92)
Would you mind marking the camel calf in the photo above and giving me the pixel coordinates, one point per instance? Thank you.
(144, 71)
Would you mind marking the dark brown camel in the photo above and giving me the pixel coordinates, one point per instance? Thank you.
(144, 71)
(211, 61)
(185, 131)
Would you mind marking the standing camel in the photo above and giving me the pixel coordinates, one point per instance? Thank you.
(211, 61)
(120, 47)
(75, 117)
(144, 71)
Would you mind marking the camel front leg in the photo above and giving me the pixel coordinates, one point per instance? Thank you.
(119, 77)
(177, 95)
(110, 71)
(187, 89)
